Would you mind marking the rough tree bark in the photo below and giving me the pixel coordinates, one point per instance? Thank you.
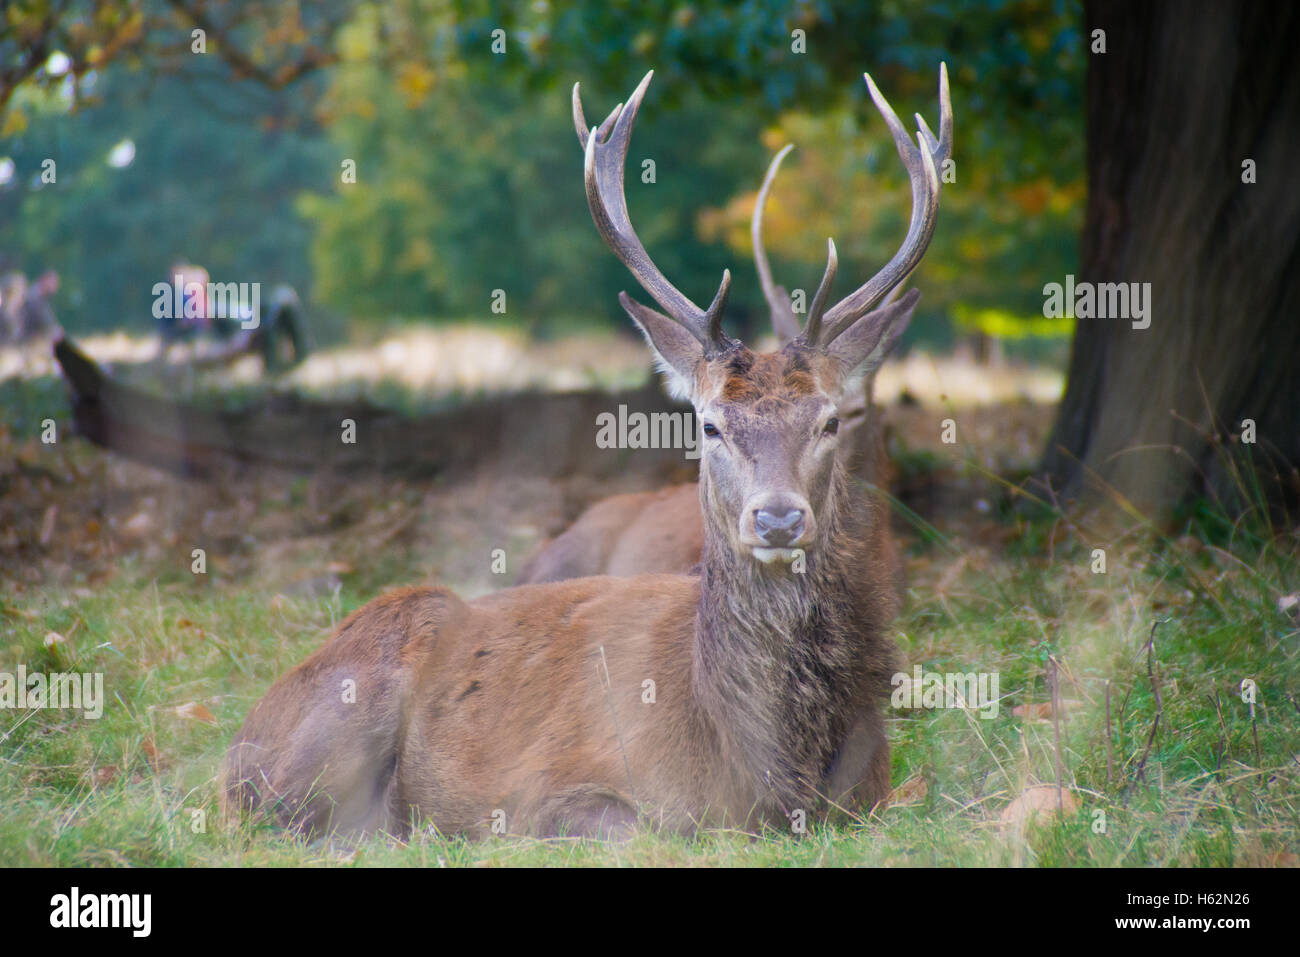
(1185, 93)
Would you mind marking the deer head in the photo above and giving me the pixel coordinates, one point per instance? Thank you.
(770, 421)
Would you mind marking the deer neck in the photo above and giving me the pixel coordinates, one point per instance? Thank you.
(781, 658)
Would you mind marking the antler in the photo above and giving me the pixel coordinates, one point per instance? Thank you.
(784, 321)
(921, 163)
(606, 154)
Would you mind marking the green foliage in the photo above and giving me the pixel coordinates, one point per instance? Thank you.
(468, 174)
(206, 185)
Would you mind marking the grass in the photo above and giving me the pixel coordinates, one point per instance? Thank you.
(184, 658)
(124, 789)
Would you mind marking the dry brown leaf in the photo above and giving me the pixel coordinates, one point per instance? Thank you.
(106, 775)
(47, 524)
(911, 791)
(141, 523)
(1282, 859)
(1041, 798)
(151, 752)
(195, 712)
(1041, 711)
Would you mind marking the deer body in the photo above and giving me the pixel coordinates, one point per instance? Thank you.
(503, 704)
(738, 696)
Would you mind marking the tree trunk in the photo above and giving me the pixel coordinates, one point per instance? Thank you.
(1185, 93)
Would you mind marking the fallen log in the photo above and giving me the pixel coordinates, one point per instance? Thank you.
(547, 434)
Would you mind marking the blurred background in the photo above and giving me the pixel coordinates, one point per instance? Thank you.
(468, 174)
(403, 181)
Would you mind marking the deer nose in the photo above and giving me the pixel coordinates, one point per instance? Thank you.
(778, 528)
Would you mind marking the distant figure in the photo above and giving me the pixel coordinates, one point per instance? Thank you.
(178, 326)
(283, 326)
(38, 319)
(278, 335)
(13, 291)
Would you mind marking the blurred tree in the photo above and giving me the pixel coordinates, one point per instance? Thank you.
(435, 221)
(174, 171)
(1192, 139)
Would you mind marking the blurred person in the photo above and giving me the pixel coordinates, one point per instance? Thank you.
(37, 316)
(13, 292)
(183, 320)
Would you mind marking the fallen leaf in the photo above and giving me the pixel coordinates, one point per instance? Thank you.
(1041, 798)
(106, 775)
(151, 752)
(138, 524)
(47, 524)
(195, 712)
(1042, 711)
(1282, 859)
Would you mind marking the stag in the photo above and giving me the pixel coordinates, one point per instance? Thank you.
(738, 696)
(661, 530)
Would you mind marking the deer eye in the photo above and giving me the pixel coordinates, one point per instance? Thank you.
(711, 430)
(832, 425)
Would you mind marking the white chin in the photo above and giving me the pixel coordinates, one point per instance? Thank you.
(769, 555)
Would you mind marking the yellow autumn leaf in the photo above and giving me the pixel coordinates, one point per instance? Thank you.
(15, 122)
(415, 80)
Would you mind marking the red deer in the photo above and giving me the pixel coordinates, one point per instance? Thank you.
(662, 530)
(739, 696)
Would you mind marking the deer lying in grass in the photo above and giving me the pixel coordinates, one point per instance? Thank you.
(661, 530)
(737, 696)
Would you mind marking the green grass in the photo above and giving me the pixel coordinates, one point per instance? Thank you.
(79, 791)
(1015, 596)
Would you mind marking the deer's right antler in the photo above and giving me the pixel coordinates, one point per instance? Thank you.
(921, 161)
(606, 154)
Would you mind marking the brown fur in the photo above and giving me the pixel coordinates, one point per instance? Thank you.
(662, 530)
(532, 702)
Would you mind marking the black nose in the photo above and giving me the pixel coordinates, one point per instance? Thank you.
(778, 529)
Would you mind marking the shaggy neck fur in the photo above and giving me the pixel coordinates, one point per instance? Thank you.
(782, 659)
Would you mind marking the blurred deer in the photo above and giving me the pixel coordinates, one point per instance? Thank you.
(661, 530)
(740, 696)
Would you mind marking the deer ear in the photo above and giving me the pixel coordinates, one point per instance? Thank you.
(676, 351)
(863, 346)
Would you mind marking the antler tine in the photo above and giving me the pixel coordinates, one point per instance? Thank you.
(580, 121)
(812, 330)
(605, 157)
(921, 160)
(784, 322)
